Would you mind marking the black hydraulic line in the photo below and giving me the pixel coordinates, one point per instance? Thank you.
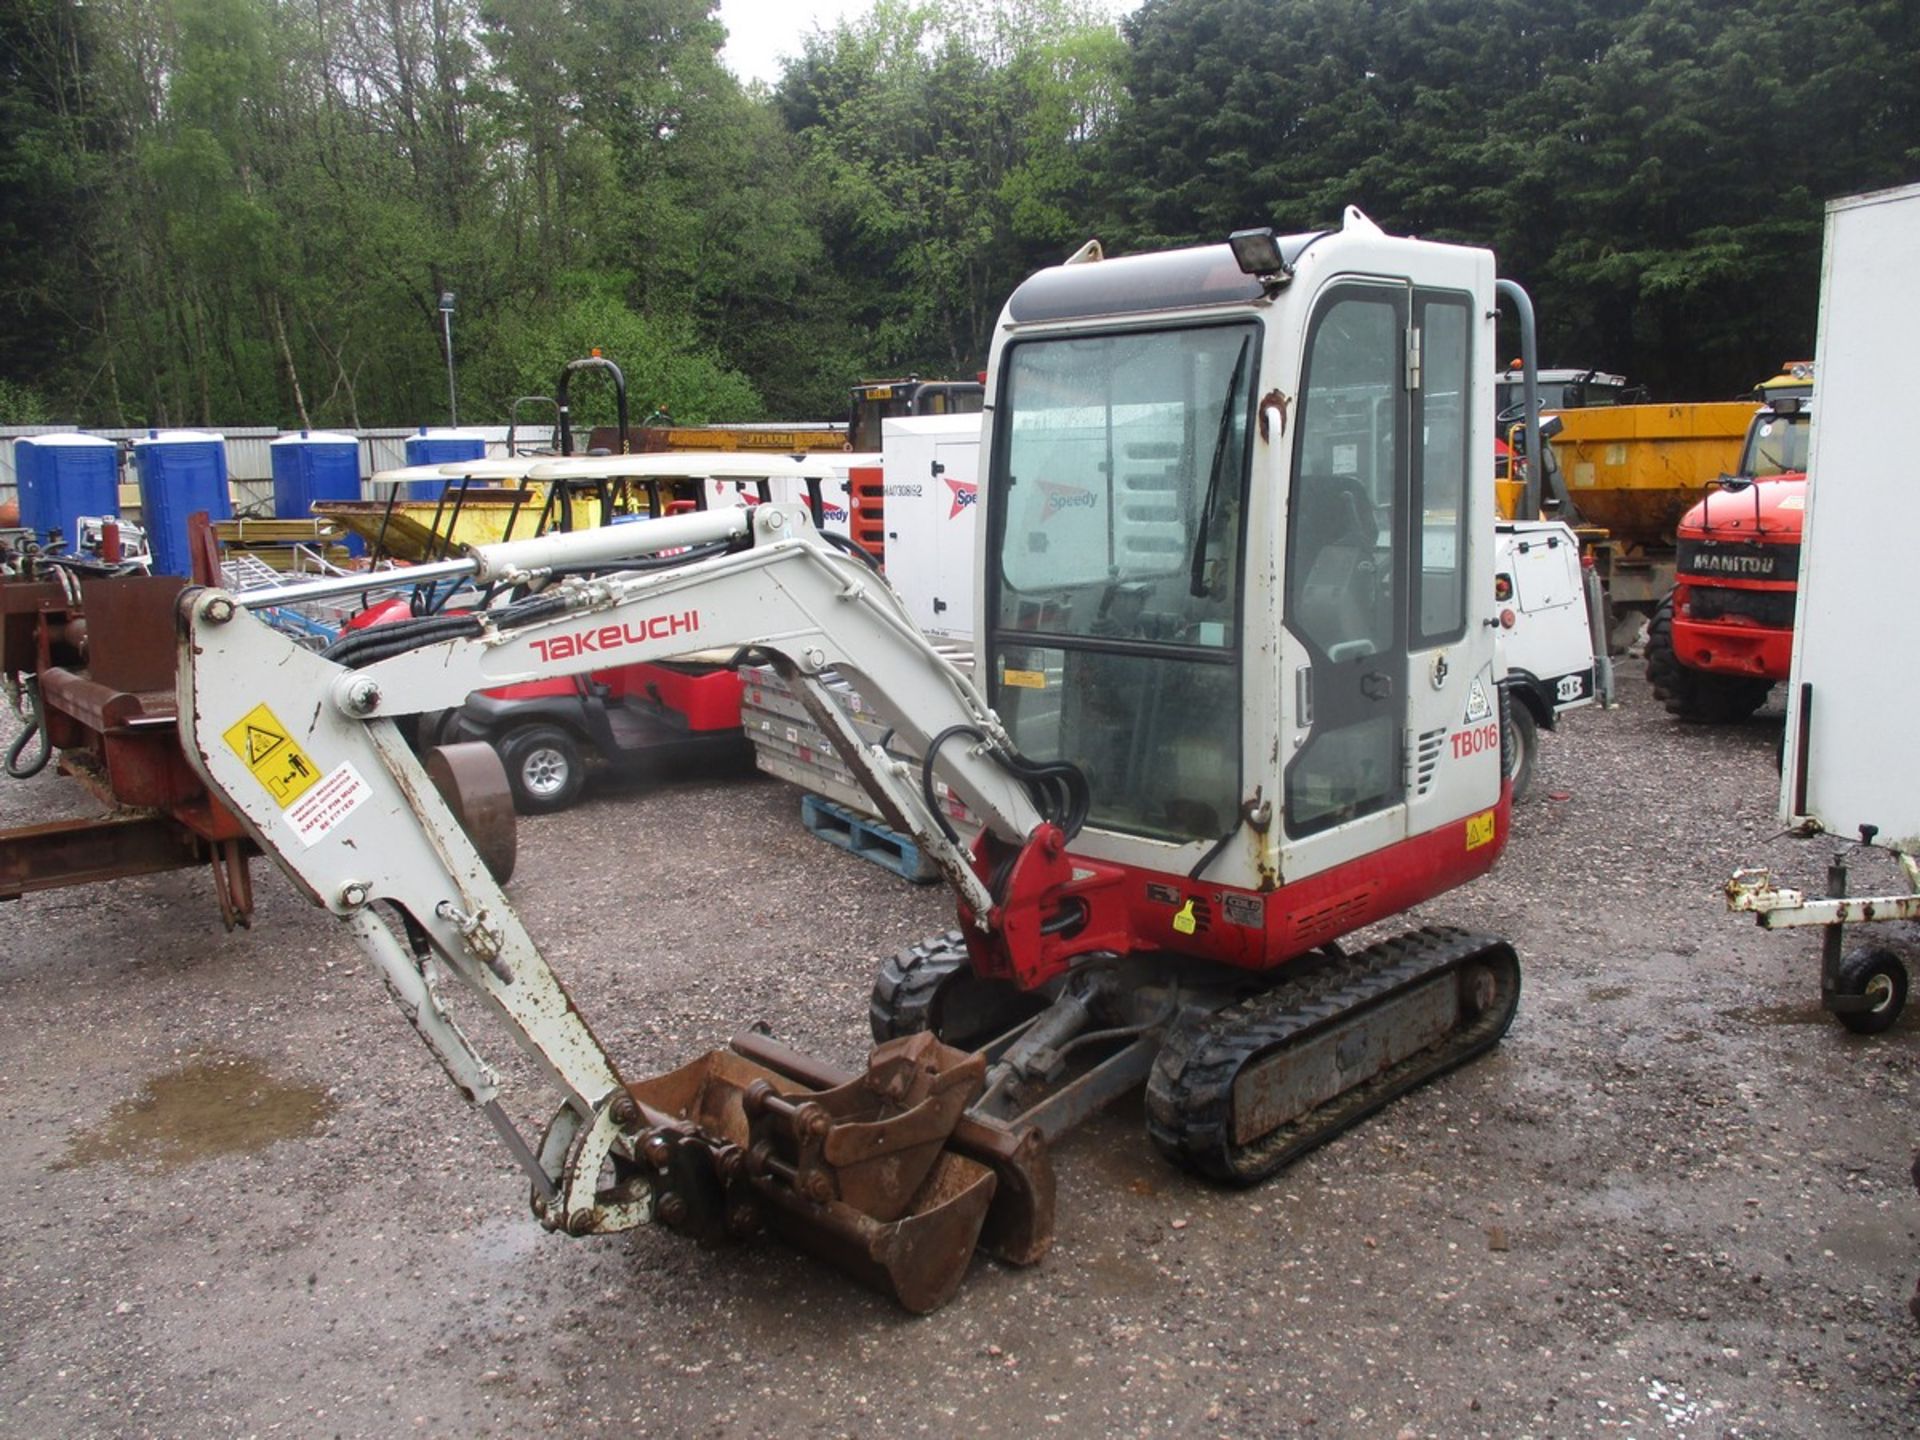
(36, 725)
(646, 564)
(398, 637)
(853, 548)
(1213, 852)
(1058, 788)
(926, 777)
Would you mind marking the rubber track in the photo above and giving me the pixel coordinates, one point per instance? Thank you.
(1190, 1092)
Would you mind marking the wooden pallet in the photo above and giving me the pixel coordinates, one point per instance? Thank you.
(868, 839)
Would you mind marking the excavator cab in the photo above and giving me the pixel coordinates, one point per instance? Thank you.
(1234, 564)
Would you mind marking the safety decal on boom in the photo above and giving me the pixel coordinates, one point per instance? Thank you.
(339, 795)
(272, 754)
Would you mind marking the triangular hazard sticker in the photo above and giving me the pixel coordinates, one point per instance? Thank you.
(262, 743)
(1478, 708)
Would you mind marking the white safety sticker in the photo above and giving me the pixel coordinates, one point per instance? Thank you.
(1478, 707)
(324, 806)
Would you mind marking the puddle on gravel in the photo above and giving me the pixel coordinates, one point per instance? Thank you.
(212, 1105)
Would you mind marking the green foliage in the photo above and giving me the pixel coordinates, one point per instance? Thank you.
(23, 405)
(947, 146)
(244, 210)
(665, 365)
(1654, 173)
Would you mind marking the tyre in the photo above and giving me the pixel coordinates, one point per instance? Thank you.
(931, 986)
(1879, 975)
(1519, 744)
(1696, 695)
(545, 768)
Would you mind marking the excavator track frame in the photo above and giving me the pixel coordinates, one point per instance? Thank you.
(1194, 1092)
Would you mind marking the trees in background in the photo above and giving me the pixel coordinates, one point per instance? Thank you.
(1653, 172)
(225, 210)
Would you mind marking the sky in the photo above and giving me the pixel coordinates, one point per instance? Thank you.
(759, 32)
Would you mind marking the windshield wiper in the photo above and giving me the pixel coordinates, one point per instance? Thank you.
(1196, 572)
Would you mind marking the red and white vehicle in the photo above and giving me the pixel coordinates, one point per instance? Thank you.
(651, 718)
(1236, 695)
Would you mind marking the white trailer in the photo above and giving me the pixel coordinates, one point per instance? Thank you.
(1851, 767)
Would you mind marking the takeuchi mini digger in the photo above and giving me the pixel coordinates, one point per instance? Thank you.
(1236, 695)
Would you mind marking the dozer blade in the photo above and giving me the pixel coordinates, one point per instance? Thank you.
(861, 1172)
(1247, 1090)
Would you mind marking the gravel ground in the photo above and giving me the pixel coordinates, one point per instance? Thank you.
(1674, 1202)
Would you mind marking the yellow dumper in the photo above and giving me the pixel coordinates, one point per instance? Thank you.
(1631, 472)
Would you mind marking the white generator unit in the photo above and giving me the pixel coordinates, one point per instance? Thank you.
(1851, 767)
(932, 467)
(789, 490)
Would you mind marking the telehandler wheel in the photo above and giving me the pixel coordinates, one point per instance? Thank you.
(544, 768)
(1698, 695)
(1519, 745)
(1879, 975)
(930, 985)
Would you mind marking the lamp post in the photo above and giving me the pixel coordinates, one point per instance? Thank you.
(446, 330)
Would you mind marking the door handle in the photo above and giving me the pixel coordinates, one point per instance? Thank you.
(1376, 685)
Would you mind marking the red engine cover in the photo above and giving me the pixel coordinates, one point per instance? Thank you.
(1134, 910)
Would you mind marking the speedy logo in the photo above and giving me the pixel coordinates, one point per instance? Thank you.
(1065, 497)
(965, 496)
(830, 511)
(613, 637)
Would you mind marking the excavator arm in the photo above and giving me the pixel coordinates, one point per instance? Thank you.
(305, 750)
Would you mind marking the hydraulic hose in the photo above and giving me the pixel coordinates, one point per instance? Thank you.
(853, 548)
(35, 718)
(1058, 788)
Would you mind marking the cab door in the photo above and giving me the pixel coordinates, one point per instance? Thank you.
(1346, 570)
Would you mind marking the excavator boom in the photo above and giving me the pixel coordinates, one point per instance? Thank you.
(307, 751)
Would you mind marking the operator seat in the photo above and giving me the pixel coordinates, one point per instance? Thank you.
(1336, 601)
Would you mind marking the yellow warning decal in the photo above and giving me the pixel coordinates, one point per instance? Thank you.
(1480, 829)
(1025, 679)
(277, 762)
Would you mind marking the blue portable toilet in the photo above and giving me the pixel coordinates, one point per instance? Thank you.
(181, 471)
(315, 465)
(61, 478)
(440, 447)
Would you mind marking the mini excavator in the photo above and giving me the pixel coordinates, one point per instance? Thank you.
(1236, 695)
